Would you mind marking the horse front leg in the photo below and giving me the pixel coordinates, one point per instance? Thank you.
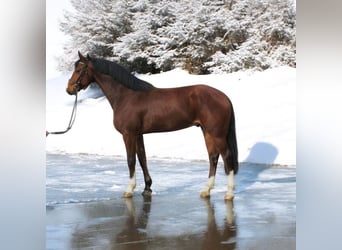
(142, 160)
(130, 143)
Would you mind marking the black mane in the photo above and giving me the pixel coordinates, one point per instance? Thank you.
(120, 74)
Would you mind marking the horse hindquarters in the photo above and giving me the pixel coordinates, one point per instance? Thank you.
(217, 120)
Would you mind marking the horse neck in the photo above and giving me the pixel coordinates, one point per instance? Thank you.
(110, 88)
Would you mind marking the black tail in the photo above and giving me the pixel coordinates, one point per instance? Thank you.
(232, 144)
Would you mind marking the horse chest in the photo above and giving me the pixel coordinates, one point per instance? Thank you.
(126, 122)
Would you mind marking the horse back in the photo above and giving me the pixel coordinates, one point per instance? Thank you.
(169, 109)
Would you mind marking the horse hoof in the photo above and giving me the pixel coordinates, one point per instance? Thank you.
(229, 197)
(147, 193)
(205, 194)
(127, 195)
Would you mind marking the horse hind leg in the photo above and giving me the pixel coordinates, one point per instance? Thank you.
(221, 144)
(213, 159)
(142, 160)
(230, 186)
(230, 175)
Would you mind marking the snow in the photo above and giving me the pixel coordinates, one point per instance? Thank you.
(264, 104)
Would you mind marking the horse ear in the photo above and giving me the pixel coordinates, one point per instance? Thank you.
(88, 57)
(82, 58)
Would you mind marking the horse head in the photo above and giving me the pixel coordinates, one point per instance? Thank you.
(82, 75)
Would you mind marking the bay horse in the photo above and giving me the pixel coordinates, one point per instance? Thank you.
(141, 108)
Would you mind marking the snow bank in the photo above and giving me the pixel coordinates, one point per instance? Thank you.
(265, 110)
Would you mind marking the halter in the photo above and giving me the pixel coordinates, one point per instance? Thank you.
(73, 113)
(78, 81)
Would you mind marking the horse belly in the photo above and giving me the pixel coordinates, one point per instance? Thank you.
(166, 120)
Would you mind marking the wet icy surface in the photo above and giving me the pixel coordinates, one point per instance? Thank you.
(85, 209)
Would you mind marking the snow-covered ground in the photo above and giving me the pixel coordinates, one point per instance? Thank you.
(264, 104)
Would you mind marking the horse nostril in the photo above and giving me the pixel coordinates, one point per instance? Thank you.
(69, 92)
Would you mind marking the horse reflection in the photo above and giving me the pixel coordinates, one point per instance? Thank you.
(216, 238)
(134, 236)
(133, 231)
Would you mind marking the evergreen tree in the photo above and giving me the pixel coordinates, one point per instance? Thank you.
(201, 36)
(94, 26)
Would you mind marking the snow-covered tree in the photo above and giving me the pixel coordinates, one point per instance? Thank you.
(93, 26)
(201, 36)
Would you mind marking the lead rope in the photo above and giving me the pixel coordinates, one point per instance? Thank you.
(71, 122)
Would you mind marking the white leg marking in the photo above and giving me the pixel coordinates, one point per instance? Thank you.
(230, 186)
(231, 183)
(131, 185)
(210, 185)
(211, 182)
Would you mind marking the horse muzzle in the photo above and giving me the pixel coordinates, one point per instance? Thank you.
(73, 88)
(72, 91)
